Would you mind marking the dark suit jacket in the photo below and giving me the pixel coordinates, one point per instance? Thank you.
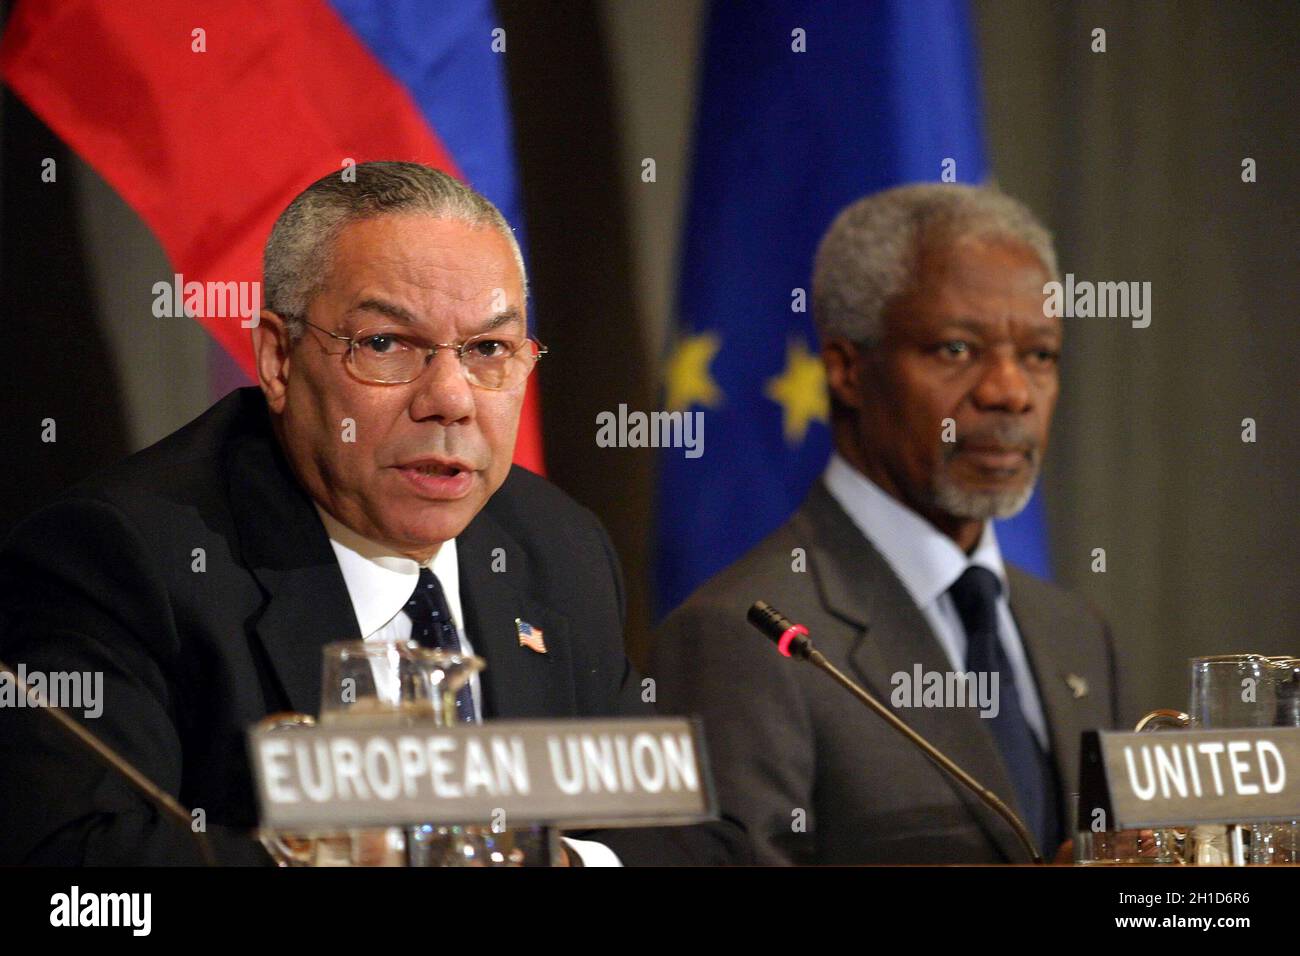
(104, 580)
(790, 749)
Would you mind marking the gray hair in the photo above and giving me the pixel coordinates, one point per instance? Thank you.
(869, 255)
(297, 256)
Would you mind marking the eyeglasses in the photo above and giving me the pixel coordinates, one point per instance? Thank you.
(388, 356)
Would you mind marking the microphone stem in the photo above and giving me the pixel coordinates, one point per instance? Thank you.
(116, 762)
(988, 797)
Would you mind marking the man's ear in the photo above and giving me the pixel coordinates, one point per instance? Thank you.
(843, 361)
(271, 350)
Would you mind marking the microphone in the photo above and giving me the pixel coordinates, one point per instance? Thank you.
(159, 798)
(793, 640)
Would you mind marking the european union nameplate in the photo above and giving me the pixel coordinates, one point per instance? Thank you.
(372, 771)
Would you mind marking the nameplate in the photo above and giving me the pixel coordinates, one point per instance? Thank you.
(1176, 777)
(373, 771)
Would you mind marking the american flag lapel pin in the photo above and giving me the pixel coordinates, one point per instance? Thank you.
(529, 636)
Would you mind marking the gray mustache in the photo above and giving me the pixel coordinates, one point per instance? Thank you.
(1006, 434)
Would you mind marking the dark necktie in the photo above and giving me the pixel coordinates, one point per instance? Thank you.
(976, 595)
(432, 626)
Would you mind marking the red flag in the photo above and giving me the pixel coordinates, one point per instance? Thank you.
(209, 119)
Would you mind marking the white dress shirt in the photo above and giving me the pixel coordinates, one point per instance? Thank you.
(928, 562)
(380, 582)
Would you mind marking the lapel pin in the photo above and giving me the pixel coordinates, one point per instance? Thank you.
(530, 637)
(1078, 686)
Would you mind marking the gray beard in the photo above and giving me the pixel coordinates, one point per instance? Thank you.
(948, 498)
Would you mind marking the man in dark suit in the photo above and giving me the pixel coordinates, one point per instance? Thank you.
(203, 576)
(942, 370)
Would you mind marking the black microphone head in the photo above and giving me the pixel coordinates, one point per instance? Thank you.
(769, 620)
(791, 639)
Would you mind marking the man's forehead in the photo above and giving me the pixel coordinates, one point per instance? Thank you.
(373, 306)
(987, 322)
(979, 263)
(976, 282)
(442, 256)
(914, 318)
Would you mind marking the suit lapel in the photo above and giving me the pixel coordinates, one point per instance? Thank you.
(495, 590)
(1071, 690)
(284, 545)
(857, 585)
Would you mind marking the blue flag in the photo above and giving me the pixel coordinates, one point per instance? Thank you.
(803, 108)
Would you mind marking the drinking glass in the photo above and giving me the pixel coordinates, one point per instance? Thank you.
(405, 683)
(1278, 841)
(401, 679)
(1233, 690)
(1228, 691)
(409, 683)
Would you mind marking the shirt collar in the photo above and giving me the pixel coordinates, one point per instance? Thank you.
(926, 560)
(380, 581)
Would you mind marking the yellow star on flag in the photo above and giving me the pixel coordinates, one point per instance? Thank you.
(800, 391)
(687, 377)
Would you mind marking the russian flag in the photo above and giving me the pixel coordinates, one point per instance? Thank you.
(804, 107)
(208, 118)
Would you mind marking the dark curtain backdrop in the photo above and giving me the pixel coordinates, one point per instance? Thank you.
(1134, 157)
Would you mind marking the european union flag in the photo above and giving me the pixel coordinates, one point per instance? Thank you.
(804, 107)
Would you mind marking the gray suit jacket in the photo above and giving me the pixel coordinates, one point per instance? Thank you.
(814, 776)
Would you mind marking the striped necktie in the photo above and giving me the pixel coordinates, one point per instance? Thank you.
(976, 594)
(432, 626)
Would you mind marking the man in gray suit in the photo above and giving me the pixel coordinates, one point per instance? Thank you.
(942, 370)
